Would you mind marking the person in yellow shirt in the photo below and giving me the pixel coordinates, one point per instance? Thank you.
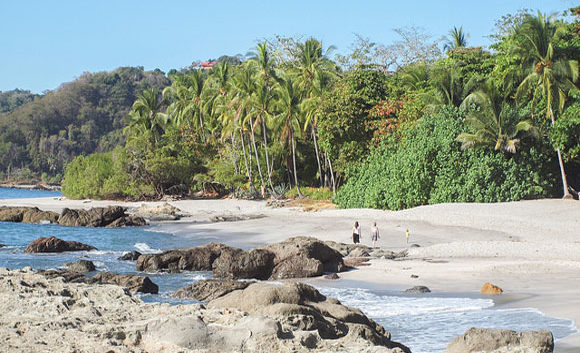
(407, 236)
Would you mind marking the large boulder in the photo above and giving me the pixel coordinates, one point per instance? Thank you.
(298, 306)
(132, 282)
(112, 216)
(299, 248)
(237, 264)
(53, 244)
(164, 212)
(491, 289)
(483, 340)
(209, 289)
(130, 256)
(27, 215)
(200, 258)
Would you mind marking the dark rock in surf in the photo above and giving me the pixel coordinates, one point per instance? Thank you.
(418, 290)
(81, 266)
(130, 256)
(55, 245)
(134, 283)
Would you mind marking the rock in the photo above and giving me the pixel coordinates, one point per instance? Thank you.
(491, 289)
(356, 261)
(2, 245)
(132, 282)
(415, 245)
(234, 218)
(298, 306)
(418, 290)
(27, 215)
(238, 264)
(106, 318)
(53, 244)
(200, 258)
(332, 276)
(209, 289)
(81, 266)
(346, 249)
(294, 258)
(130, 256)
(414, 276)
(298, 248)
(388, 254)
(359, 252)
(112, 216)
(165, 212)
(67, 276)
(497, 341)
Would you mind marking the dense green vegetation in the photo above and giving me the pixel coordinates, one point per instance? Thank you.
(39, 135)
(383, 126)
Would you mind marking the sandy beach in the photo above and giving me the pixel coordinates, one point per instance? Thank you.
(531, 249)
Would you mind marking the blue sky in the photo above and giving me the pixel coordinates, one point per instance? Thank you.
(46, 43)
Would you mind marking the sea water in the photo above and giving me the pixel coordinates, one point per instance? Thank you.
(15, 193)
(425, 323)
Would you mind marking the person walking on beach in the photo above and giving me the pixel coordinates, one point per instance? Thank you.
(356, 233)
(407, 236)
(375, 234)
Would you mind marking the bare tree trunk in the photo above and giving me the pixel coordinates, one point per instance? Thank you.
(256, 152)
(331, 175)
(294, 164)
(317, 155)
(248, 169)
(201, 126)
(567, 194)
(252, 188)
(268, 169)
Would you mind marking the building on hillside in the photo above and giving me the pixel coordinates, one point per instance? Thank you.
(206, 65)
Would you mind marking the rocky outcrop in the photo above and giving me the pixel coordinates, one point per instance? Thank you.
(298, 257)
(27, 215)
(134, 283)
(90, 318)
(81, 266)
(491, 289)
(298, 306)
(482, 340)
(418, 290)
(130, 256)
(53, 244)
(210, 289)
(2, 245)
(112, 216)
(165, 212)
(235, 218)
(332, 276)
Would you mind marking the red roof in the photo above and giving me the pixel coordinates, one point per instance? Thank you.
(207, 64)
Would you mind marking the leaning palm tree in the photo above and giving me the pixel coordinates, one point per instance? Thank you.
(457, 39)
(494, 122)
(289, 118)
(549, 76)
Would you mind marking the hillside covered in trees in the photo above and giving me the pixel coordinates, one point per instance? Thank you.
(392, 126)
(40, 134)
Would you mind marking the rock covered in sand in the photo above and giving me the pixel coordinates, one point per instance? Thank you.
(164, 212)
(483, 340)
(209, 289)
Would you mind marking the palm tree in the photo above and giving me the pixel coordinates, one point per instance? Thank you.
(494, 121)
(457, 39)
(549, 76)
(146, 116)
(261, 102)
(289, 118)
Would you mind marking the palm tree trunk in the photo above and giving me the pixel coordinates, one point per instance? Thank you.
(567, 194)
(256, 152)
(248, 169)
(331, 175)
(201, 126)
(317, 155)
(294, 164)
(268, 169)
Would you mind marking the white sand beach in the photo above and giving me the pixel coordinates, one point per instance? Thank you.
(531, 249)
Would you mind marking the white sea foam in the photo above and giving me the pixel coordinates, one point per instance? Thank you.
(145, 248)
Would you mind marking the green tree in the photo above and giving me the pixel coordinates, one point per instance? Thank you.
(146, 116)
(457, 38)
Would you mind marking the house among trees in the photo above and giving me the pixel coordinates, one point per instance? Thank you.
(206, 65)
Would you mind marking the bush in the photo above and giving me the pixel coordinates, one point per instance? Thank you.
(428, 167)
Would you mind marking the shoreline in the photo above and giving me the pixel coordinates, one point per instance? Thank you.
(528, 248)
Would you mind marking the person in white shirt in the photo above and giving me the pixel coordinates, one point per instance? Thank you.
(375, 234)
(356, 234)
